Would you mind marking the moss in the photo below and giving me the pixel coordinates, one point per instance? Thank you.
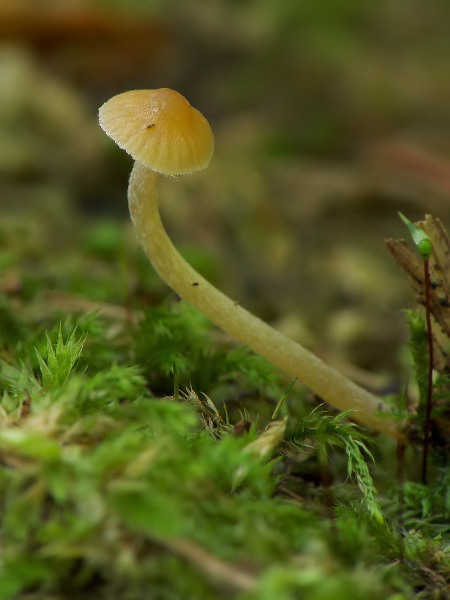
(127, 469)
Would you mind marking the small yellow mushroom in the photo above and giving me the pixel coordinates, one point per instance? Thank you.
(166, 135)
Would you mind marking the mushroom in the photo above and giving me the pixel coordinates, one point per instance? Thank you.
(166, 135)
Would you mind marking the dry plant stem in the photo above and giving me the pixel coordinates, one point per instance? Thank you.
(427, 425)
(219, 571)
(439, 270)
(293, 359)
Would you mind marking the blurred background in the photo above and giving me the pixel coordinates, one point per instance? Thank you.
(329, 117)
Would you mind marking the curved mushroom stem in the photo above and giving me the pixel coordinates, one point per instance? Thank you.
(293, 359)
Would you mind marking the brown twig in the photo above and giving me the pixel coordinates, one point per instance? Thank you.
(427, 425)
(439, 285)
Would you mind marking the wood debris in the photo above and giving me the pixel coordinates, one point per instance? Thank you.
(439, 265)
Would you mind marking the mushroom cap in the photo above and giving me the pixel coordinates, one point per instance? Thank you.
(159, 129)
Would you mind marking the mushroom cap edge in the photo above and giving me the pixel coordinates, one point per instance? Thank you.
(159, 129)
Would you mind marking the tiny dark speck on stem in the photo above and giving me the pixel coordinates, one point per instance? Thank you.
(195, 283)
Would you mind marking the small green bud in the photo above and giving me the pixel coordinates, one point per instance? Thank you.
(425, 248)
(420, 238)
